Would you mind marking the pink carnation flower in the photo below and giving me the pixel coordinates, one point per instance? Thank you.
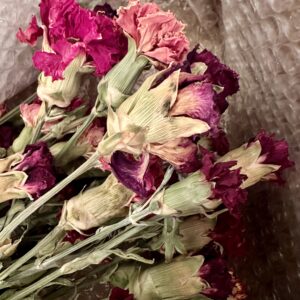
(29, 113)
(157, 34)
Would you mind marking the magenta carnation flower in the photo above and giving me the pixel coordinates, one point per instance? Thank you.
(157, 34)
(227, 182)
(71, 31)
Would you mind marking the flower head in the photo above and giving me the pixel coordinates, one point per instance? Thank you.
(230, 234)
(145, 119)
(29, 175)
(274, 152)
(136, 174)
(263, 158)
(120, 294)
(227, 182)
(216, 273)
(216, 73)
(29, 113)
(34, 156)
(157, 34)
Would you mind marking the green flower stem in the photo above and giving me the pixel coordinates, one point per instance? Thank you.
(142, 213)
(73, 140)
(74, 266)
(67, 129)
(7, 230)
(95, 276)
(16, 110)
(104, 233)
(56, 234)
(41, 120)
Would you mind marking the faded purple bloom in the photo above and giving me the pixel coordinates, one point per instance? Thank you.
(37, 163)
(216, 73)
(196, 101)
(39, 181)
(36, 155)
(106, 9)
(216, 273)
(275, 152)
(7, 135)
(31, 34)
(133, 173)
(227, 182)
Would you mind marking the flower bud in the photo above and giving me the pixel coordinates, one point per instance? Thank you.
(194, 232)
(96, 206)
(61, 92)
(186, 197)
(176, 280)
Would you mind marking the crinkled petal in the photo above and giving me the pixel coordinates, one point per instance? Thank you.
(218, 74)
(181, 153)
(39, 181)
(217, 274)
(54, 64)
(133, 173)
(197, 101)
(31, 34)
(36, 155)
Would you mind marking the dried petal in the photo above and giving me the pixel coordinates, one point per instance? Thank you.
(31, 34)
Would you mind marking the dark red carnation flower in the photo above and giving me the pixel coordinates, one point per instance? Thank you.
(230, 233)
(39, 181)
(216, 73)
(120, 294)
(217, 275)
(274, 152)
(227, 182)
(7, 135)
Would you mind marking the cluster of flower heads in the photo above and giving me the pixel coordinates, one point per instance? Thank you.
(172, 119)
